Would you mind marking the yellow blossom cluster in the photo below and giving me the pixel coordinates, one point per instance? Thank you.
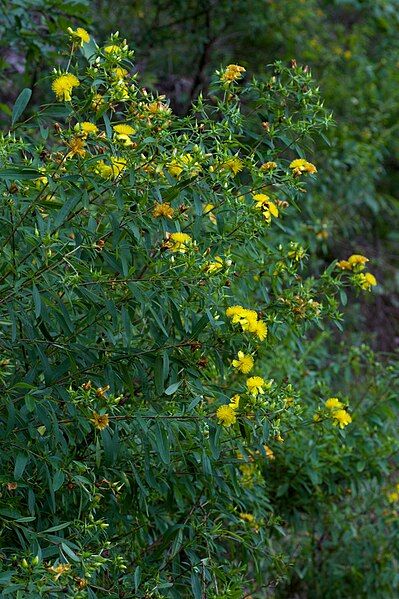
(250, 519)
(59, 570)
(226, 414)
(163, 210)
(100, 421)
(233, 165)
(356, 264)
(179, 242)
(248, 320)
(86, 128)
(63, 85)
(393, 496)
(113, 170)
(215, 266)
(232, 72)
(255, 385)
(266, 206)
(300, 166)
(123, 133)
(340, 416)
(185, 163)
(244, 362)
(268, 166)
(80, 35)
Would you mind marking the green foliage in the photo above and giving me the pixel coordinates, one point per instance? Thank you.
(130, 469)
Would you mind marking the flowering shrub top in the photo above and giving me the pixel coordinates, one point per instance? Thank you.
(148, 278)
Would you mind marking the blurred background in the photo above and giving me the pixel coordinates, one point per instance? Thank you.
(352, 48)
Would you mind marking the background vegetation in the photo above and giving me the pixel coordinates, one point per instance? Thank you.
(101, 316)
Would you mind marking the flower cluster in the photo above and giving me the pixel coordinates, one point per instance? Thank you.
(393, 496)
(79, 35)
(266, 206)
(337, 411)
(63, 85)
(248, 320)
(300, 166)
(226, 414)
(232, 72)
(355, 264)
(244, 362)
(179, 242)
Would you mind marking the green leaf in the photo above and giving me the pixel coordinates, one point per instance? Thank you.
(196, 585)
(69, 552)
(158, 375)
(55, 528)
(20, 104)
(162, 444)
(172, 388)
(137, 578)
(58, 480)
(20, 464)
(19, 173)
(37, 301)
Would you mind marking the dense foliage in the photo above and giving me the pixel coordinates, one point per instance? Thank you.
(186, 409)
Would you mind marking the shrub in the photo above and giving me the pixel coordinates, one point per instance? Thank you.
(153, 301)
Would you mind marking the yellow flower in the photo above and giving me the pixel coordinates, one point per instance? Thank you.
(113, 170)
(246, 318)
(120, 73)
(123, 133)
(215, 266)
(268, 166)
(255, 385)
(244, 363)
(185, 162)
(367, 281)
(112, 49)
(158, 107)
(393, 496)
(165, 210)
(76, 147)
(267, 207)
(59, 570)
(97, 102)
(260, 199)
(100, 421)
(86, 128)
(63, 86)
(124, 129)
(300, 165)
(269, 453)
(344, 265)
(233, 72)
(247, 517)
(179, 242)
(226, 415)
(207, 209)
(333, 403)
(79, 34)
(261, 330)
(233, 164)
(235, 402)
(251, 520)
(341, 418)
(357, 261)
